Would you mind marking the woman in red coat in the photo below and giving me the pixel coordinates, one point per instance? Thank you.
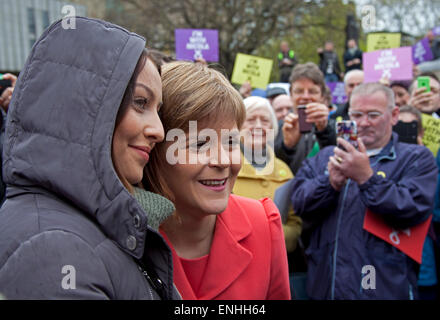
(224, 246)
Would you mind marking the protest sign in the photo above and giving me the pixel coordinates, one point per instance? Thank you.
(410, 241)
(338, 92)
(254, 69)
(381, 41)
(392, 64)
(422, 51)
(192, 44)
(431, 136)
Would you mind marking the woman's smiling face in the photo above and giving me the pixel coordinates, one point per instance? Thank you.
(140, 128)
(204, 176)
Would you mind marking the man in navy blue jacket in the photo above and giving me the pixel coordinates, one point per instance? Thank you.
(333, 190)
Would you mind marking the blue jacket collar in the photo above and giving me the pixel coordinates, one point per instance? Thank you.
(389, 151)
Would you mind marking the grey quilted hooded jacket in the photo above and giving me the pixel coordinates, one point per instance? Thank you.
(69, 229)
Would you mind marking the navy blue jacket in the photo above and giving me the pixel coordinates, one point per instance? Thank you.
(348, 57)
(339, 247)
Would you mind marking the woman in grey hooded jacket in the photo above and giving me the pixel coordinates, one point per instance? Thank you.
(82, 121)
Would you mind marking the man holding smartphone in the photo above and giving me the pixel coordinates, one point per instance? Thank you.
(334, 191)
(295, 143)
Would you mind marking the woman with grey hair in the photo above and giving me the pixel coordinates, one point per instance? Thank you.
(262, 172)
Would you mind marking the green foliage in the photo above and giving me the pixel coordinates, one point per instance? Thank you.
(251, 27)
(321, 23)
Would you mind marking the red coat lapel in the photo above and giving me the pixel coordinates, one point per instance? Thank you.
(228, 259)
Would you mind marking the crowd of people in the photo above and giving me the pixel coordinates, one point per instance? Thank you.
(130, 175)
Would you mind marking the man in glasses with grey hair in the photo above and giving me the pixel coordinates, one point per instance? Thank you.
(332, 192)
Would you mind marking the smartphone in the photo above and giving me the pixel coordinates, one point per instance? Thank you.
(407, 131)
(347, 130)
(423, 82)
(304, 126)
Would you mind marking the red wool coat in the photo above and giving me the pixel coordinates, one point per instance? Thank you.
(247, 260)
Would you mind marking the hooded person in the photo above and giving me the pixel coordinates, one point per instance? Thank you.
(82, 121)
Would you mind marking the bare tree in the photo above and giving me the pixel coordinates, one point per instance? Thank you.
(243, 25)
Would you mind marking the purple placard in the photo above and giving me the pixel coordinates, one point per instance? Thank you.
(196, 43)
(422, 51)
(393, 64)
(338, 92)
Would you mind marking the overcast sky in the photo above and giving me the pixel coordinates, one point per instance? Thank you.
(418, 16)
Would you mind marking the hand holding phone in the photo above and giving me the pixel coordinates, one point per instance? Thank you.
(7, 84)
(4, 83)
(423, 82)
(304, 126)
(347, 130)
(290, 129)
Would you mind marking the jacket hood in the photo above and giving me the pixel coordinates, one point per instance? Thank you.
(61, 121)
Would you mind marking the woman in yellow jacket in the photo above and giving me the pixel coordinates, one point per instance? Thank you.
(262, 172)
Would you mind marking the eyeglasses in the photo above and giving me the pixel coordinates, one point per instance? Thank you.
(358, 115)
(301, 91)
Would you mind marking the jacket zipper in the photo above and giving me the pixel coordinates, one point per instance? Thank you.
(145, 274)
(335, 252)
(332, 293)
(154, 282)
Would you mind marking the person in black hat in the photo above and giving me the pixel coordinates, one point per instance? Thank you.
(272, 93)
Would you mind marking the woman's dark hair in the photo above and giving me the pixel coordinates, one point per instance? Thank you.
(129, 92)
(160, 57)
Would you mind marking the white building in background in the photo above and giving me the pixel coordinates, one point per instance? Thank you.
(21, 24)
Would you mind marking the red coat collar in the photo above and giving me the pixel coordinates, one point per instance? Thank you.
(227, 257)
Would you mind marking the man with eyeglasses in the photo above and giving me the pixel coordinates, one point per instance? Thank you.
(332, 192)
(307, 87)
